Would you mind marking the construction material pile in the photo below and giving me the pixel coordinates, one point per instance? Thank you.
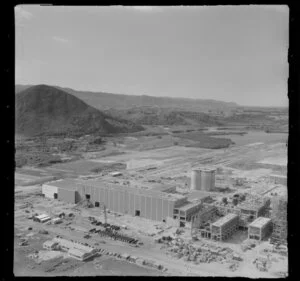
(132, 259)
(111, 231)
(262, 264)
(203, 253)
(116, 236)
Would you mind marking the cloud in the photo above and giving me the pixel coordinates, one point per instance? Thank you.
(60, 39)
(22, 14)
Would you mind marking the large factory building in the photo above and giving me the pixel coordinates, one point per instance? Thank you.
(155, 204)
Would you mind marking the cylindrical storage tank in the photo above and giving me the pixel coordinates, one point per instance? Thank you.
(196, 180)
(207, 179)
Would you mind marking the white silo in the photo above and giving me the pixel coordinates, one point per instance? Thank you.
(207, 179)
(195, 179)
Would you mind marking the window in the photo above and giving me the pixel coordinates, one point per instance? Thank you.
(97, 204)
(55, 196)
(87, 196)
(137, 213)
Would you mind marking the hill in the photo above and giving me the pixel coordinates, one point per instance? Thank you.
(102, 100)
(46, 110)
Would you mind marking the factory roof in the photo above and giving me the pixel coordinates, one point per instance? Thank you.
(77, 252)
(114, 174)
(150, 192)
(72, 184)
(188, 206)
(43, 216)
(224, 220)
(163, 187)
(260, 222)
(49, 243)
(73, 245)
(65, 184)
(197, 194)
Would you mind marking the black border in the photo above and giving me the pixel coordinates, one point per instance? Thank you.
(7, 139)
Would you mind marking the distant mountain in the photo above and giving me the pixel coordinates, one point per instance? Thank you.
(101, 100)
(47, 110)
(164, 116)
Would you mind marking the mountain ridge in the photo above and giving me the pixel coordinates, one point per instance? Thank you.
(103, 100)
(47, 110)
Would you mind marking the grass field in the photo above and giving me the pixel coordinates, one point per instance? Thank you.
(204, 141)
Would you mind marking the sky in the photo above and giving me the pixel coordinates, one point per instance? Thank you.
(228, 53)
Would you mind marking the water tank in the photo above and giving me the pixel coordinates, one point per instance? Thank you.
(195, 180)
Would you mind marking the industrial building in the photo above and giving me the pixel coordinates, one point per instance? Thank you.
(203, 179)
(248, 209)
(64, 190)
(50, 245)
(224, 227)
(279, 219)
(155, 204)
(75, 249)
(260, 228)
(201, 221)
(185, 212)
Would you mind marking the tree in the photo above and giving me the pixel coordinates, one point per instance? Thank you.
(224, 200)
(235, 201)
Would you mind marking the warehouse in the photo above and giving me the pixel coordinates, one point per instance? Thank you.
(75, 249)
(224, 227)
(151, 204)
(260, 228)
(64, 190)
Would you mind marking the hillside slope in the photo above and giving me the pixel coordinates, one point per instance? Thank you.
(46, 110)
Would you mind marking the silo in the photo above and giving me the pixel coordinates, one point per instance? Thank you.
(207, 179)
(195, 179)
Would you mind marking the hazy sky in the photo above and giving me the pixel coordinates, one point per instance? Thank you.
(232, 53)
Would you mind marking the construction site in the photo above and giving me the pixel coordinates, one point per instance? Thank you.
(180, 215)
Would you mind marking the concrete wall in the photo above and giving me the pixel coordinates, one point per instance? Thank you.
(67, 195)
(48, 190)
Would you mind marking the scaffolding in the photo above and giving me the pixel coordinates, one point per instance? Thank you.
(224, 227)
